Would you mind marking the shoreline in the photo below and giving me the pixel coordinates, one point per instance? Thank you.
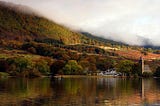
(97, 76)
(85, 76)
(4, 75)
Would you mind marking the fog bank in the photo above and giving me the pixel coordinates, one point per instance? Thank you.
(122, 20)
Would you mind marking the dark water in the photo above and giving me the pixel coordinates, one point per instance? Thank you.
(79, 92)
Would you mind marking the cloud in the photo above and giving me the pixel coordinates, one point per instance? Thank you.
(121, 20)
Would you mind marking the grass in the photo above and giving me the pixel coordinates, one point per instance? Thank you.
(3, 74)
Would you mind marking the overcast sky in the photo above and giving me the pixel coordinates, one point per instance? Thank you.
(123, 20)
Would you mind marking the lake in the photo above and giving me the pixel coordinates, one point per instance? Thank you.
(80, 91)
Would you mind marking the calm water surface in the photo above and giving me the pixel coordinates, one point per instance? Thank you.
(79, 92)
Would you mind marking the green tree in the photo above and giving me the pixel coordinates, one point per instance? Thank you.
(43, 67)
(137, 70)
(157, 72)
(19, 66)
(20, 63)
(72, 67)
(125, 67)
(104, 64)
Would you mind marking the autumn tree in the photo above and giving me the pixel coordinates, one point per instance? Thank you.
(92, 68)
(56, 67)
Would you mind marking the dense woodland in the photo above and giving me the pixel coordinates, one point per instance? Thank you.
(32, 46)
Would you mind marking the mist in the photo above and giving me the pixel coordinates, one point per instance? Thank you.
(128, 21)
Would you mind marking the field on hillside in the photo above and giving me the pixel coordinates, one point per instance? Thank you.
(135, 54)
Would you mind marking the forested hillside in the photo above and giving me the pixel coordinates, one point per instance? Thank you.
(17, 25)
(31, 45)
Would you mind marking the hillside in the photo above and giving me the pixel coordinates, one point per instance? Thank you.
(100, 39)
(31, 45)
(128, 51)
(16, 25)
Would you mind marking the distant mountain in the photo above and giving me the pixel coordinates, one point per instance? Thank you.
(21, 23)
(147, 43)
(151, 46)
(100, 39)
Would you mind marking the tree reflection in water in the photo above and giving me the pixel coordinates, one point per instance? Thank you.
(79, 91)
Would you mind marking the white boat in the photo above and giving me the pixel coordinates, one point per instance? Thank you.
(109, 72)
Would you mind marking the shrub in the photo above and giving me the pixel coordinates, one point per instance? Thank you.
(32, 50)
(147, 74)
(3, 65)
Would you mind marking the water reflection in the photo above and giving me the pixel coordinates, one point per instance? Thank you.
(79, 91)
